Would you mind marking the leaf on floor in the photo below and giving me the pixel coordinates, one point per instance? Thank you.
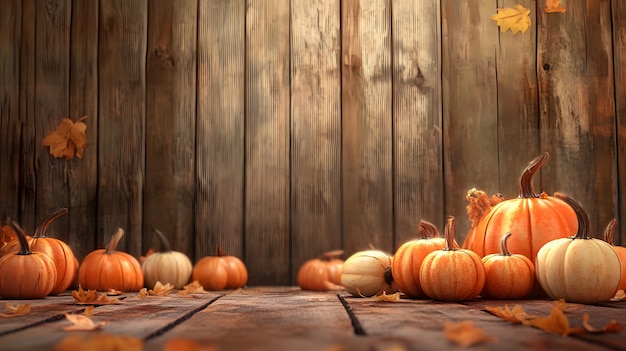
(192, 288)
(82, 322)
(14, 310)
(612, 327)
(465, 334)
(161, 289)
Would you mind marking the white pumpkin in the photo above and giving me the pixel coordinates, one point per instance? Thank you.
(167, 266)
(368, 273)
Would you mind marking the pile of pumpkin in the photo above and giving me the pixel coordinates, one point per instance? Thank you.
(36, 266)
(532, 246)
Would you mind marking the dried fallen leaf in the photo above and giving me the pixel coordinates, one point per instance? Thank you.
(82, 322)
(89, 311)
(101, 342)
(553, 6)
(619, 295)
(612, 327)
(92, 297)
(181, 344)
(143, 292)
(160, 289)
(15, 310)
(388, 298)
(556, 322)
(113, 292)
(515, 19)
(193, 288)
(68, 139)
(465, 334)
(515, 315)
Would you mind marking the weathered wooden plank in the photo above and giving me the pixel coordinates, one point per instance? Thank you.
(470, 109)
(169, 193)
(576, 97)
(83, 95)
(367, 125)
(134, 316)
(121, 121)
(268, 319)
(517, 103)
(10, 126)
(316, 130)
(41, 311)
(52, 73)
(220, 123)
(417, 129)
(267, 142)
(619, 64)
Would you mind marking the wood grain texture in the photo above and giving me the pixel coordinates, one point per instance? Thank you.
(417, 117)
(83, 173)
(10, 124)
(619, 59)
(315, 130)
(577, 108)
(121, 116)
(367, 181)
(170, 176)
(267, 142)
(470, 112)
(220, 124)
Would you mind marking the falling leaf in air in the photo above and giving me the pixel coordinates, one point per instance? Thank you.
(15, 310)
(516, 19)
(553, 6)
(68, 140)
(82, 322)
(181, 344)
(465, 334)
(612, 327)
(100, 341)
(192, 288)
(160, 289)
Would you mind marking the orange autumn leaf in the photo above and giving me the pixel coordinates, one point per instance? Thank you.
(102, 342)
(68, 140)
(180, 344)
(553, 6)
(612, 327)
(515, 315)
(82, 322)
(6, 236)
(89, 297)
(15, 310)
(555, 323)
(160, 289)
(465, 334)
(515, 19)
(387, 298)
(193, 288)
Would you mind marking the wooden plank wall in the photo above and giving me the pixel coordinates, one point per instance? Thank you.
(282, 129)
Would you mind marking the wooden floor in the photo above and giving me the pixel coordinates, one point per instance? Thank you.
(287, 318)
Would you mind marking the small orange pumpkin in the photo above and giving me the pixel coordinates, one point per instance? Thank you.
(26, 274)
(452, 274)
(220, 272)
(620, 250)
(322, 273)
(406, 263)
(507, 276)
(106, 269)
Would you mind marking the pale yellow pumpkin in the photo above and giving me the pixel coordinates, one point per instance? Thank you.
(166, 266)
(368, 273)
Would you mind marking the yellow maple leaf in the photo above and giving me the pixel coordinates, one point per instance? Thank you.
(516, 19)
(465, 334)
(388, 298)
(92, 297)
(192, 288)
(160, 289)
(553, 6)
(68, 139)
(82, 322)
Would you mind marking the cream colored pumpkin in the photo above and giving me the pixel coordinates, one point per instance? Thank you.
(167, 266)
(368, 273)
(579, 269)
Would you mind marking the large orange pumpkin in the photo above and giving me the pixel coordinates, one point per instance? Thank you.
(106, 269)
(534, 218)
(220, 272)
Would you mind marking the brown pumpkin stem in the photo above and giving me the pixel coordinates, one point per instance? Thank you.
(40, 231)
(111, 247)
(526, 180)
(581, 216)
(220, 252)
(504, 249)
(165, 244)
(327, 256)
(21, 238)
(449, 234)
(609, 231)
(427, 230)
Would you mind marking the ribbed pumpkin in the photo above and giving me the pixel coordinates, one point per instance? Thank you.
(507, 276)
(452, 274)
(220, 272)
(479, 204)
(322, 273)
(407, 260)
(26, 274)
(166, 266)
(620, 250)
(106, 269)
(578, 269)
(534, 218)
(368, 273)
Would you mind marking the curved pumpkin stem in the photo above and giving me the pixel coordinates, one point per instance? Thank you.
(40, 231)
(21, 238)
(114, 240)
(427, 230)
(327, 256)
(165, 244)
(581, 215)
(526, 180)
(609, 231)
(449, 234)
(504, 249)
